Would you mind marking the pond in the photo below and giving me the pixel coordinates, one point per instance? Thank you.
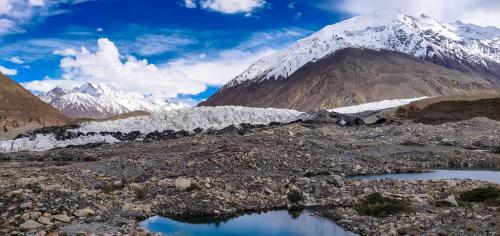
(483, 175)
(273, 223)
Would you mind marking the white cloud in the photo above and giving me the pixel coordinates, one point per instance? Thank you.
(5, 6)
(37, 3)
(147, 45)
(7, 26)
(65, 52)
(219, 70)
(7, 71)
(105, 66)
(227, 6)
(48, 83)
(16, 60)
(190, 3)
(480, 12)
(14, 14)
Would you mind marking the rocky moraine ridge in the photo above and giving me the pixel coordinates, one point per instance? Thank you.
(112, 187)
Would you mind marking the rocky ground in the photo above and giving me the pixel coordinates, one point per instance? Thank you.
(110, 188)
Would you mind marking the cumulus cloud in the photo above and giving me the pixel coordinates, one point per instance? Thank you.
(105, 66)
(7, 71)
(480, 12)
(227, 6)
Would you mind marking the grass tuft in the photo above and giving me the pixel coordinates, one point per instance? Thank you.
(489, 195)
(376, 205)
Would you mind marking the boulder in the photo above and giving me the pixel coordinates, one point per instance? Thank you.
(84, 212)
(182, 183)
(30, 224)
(62, 218)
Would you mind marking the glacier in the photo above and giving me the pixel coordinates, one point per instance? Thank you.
(188, 119)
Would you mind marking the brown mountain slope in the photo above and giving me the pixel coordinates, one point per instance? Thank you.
(20, 109)
(350, 76)
(451, 108)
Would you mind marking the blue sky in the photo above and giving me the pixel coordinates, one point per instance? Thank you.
(192, 47)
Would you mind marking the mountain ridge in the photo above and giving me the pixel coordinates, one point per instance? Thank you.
(98, 101)
(349, 77)
(421, 36)
(20, 109)
(471, 52)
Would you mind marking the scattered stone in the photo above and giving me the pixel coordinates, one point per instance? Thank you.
(44, 220)
(182, 183)
(30, 224)
(26, 205)
(84, 212)
(62, 218)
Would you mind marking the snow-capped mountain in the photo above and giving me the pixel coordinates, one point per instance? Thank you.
(92, 100)
(370, 58)
(447, 44)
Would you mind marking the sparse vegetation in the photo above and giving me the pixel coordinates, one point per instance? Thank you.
(295, 196)
(497, 149)
(107, 188)
(490, 195)
(376, 205)
(141, 194)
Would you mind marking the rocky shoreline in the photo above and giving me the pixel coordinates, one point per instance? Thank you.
(110, 188)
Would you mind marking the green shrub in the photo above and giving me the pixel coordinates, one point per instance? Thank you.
(490, 195)
(295, 196)
(376, 205)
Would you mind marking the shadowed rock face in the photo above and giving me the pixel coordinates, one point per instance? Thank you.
(20, 109)
(349, 77)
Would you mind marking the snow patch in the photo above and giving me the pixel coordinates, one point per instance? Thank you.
(374, 106)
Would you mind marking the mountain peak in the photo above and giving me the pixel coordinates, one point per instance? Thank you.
(422, 37)
(100, 100)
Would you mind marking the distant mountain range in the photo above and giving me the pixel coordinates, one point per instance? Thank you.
(98, 101)
(20, 109)
(379, 56)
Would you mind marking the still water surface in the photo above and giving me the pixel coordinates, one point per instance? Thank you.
(483, 175)
(272, 223)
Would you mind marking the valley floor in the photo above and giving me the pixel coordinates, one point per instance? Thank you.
(109, 189)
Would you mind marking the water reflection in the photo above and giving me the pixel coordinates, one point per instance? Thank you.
(483, 175)
(274, 223)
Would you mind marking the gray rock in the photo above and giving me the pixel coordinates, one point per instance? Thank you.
(182, 183)
(84, 212)
(26, 205)
(62, 218)
(30, 224)
(337, 180)
(44, 220)
(452, 200)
